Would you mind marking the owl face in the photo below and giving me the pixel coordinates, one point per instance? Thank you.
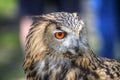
(54, 39)
(59, 32)
(62, 40)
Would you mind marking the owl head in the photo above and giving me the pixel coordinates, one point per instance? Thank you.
(58, 33)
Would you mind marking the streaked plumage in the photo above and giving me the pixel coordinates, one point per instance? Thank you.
(70, 58)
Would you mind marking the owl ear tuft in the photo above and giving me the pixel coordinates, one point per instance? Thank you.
(36, 19)
(75, 14)
(43, 18)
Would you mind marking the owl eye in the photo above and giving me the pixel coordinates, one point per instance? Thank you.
(60, 35)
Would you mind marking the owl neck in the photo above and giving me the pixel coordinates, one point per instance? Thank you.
(87, 59)
(57, 63)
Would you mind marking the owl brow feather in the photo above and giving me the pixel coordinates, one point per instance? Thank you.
(37, 19)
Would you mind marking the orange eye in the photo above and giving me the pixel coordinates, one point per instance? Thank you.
(60, 35)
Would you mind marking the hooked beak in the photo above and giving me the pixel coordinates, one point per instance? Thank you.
(75, 48)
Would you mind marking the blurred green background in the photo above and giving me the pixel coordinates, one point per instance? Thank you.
(11, 54)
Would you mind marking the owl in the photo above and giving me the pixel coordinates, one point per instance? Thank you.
(57, 49)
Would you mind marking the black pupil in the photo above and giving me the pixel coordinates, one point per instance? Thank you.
(59, 33)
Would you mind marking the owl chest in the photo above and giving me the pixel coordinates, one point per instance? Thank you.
(53, 70)
(61, 71)
(65, 71)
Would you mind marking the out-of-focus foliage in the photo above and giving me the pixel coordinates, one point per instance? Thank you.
(11, 55)
(8, 8)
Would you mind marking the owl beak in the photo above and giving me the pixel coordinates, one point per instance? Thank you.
(76, 47)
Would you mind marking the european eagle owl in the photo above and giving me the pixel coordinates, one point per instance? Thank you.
(57, 49)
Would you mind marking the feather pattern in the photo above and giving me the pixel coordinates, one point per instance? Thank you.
(44, 62)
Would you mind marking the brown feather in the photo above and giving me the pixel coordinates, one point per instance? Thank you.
(42, 62)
